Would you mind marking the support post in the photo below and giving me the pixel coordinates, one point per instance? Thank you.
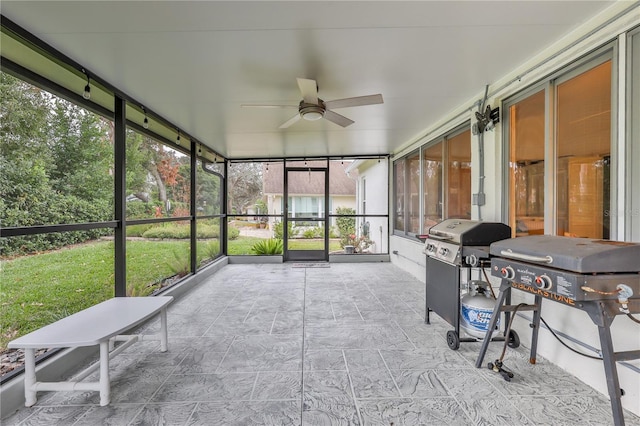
(164, 345)
(29, 377)
(105, 385)
(119, 167)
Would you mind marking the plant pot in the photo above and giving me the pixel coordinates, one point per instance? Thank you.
(349, 249)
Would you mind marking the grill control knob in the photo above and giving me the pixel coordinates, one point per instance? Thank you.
(472, 260)
(543, 282)
(431, 247)
(508, 272)
(444, 251)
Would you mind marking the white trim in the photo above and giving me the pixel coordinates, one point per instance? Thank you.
(620, 143)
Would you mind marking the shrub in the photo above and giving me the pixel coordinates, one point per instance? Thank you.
(207, 231)
(180, 264)
(315, 232)
(140, 289)
(278, 230)
(233, 233)
(140, 210)
(346, 225)
(333, 233)
(53, 209)
(211, 249)
(268, 247)
(138, 230)
(171, 231)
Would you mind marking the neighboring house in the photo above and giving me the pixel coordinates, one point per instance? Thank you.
(306, 195)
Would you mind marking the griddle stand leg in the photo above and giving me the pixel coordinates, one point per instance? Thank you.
(505, 288)
(599, 316)
(500, 306)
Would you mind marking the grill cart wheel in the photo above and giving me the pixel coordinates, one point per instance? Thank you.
(453, 340)
(514, 339)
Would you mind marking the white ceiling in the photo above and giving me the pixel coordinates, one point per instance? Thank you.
(195, 63)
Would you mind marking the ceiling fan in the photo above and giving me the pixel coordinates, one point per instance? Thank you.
(312, 108)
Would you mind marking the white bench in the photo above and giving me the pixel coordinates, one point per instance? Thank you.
(100, 324)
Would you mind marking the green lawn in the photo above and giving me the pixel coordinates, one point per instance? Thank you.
(39, 289)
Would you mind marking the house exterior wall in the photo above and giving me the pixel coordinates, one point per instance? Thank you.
(609, 27)
(372, 194)
(274, 204)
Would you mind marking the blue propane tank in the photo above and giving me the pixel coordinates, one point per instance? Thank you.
(476, 308)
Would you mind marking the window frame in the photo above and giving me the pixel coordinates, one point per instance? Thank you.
(549, 84)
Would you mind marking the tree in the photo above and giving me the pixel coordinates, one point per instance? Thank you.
(81, 153)
(50, 172)
(244, 185)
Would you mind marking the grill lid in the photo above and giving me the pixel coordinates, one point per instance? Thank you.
(469, 232)
(582, 255)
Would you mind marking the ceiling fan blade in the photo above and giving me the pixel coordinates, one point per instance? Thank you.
(309, 90)
(357, 101)
(290, 121)
(268, 106)
(340, 120)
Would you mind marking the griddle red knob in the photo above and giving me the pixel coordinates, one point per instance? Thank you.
(544, 282)
(508, 272)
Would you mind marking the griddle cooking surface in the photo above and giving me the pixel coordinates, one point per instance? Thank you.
(582, 255)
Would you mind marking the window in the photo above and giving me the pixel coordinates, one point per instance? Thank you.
(526, 165)
(407, 186)
(413, 185)
(421, 181)
(459, 176)
(573, 186)
(432, 184)
(398, 191)
(57, 190)
(632, 211)
(583, 147)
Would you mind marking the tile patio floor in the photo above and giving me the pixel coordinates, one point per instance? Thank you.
(338, 345)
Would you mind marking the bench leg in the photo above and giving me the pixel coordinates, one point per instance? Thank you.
(29, 377)
(163, 330)
(105, 385)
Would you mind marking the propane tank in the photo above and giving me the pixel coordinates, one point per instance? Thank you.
(476, 308)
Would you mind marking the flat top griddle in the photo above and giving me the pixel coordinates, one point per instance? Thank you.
(581, 255)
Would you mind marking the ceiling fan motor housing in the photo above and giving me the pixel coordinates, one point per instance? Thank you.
(312, 112)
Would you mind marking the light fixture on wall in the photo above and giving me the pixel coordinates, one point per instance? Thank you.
(145, 122)
(199, 149)
(178, 138)
(87, 88)
(486, 120)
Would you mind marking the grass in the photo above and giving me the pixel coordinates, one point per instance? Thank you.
(312, 244)
(39, 289)
(242, 245)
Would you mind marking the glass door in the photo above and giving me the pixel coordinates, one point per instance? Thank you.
(305, 214)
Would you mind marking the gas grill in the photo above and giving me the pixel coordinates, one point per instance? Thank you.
(452, 246)
(599, 277)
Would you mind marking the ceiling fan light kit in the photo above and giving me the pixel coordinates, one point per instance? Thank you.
(312, 108)
(312, 112)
